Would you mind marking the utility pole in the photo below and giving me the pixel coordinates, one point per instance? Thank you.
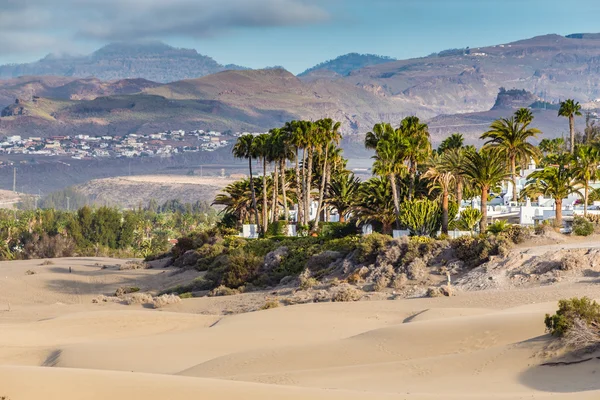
(15, 179)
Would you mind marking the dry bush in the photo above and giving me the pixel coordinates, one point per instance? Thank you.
(165, 300)
(273, 303)
(222, 291)
(120, 292)
(335, 282)
(47, 262)
(129, 265)
(399, 281)
(346, 294)
(46, 246)
(307, 283)
(381, 283)
(416, 270)
(582, 335)
(29, 272)
(434, 292)
(139, 298)
(105, 299)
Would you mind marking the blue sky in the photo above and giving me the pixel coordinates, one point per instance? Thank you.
(296, 34)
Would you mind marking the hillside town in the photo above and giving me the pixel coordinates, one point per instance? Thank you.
(82, 146)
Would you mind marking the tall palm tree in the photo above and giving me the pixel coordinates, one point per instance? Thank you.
(329, 134)
(510, 137)
(379, 131)
(283, 150)
(389, 157)
(442, 179)
(237, 199)
(585, 168)
(244, 148)
(486, 169)
(453, 161)
(297, 131)
(569, 109)
(557, 181)
(552, 146)
(418, 147)
(343, 193)
(454, 141)
(261, 150)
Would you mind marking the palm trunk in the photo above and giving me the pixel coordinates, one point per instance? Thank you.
(275, 204)
(322, 189)
(300, 214)
(254, 206)
(411, 187)
(283, 193)
(558, 219)
(513, 171)
(459, 190)
(483, 222)
(305, 217)
(445, 212)
(572, 132)
(585, 198)
(307, 195)
(265, 210)
(395, 196)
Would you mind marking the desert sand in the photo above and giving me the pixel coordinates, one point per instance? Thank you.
(56, 344)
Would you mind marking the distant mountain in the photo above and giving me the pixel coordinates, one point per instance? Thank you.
(344, 65)
(150, 60)
(253, 100)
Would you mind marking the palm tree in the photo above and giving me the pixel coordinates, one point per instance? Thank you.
(283, 150)
(237, 199)
(389, 157)
(329, 134)
(552, 146)
(243, 148)
(441, 179)
(380, 131)
(524, 116)
(453, 161)
(375, 203)
(486, 169)
(510, 137)
(418, 147)
(261, 150)
(569, 109)
(297, 131)
(343, 193)
(557, 181)
(585, 168)
(454, 141)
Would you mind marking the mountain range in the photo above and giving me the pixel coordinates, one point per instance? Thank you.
(455, 89)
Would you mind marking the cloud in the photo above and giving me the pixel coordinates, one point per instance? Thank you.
(68, 21)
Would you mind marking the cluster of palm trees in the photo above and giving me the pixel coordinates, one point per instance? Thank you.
(313, 149)
(406, 169)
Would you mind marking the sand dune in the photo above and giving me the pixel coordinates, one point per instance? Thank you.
(56, 344)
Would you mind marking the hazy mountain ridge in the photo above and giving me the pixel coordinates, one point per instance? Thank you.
(152, 60)
(345, 64)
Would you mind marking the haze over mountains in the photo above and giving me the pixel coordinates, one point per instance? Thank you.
(457, 88)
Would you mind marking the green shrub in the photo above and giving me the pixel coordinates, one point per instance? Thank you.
(498, 227)
(277, 228)
(469, 218)
(369, 247)
(421, 217)
(338, 230)
(475, 251)
(240, 268)
(582, 227)
(186, 295)
(308, 283)
(569, 311)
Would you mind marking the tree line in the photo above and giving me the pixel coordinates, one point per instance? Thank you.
(412, 183)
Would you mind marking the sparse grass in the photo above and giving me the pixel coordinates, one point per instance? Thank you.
(346, 294)
(30, 272)
(165, 300)
(222, 291)
(120, 292)
(47, 262)
(308, 283)
(270, 304)
(129, 265)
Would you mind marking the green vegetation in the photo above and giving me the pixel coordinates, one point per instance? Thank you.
(570, 312)
(582, 227)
